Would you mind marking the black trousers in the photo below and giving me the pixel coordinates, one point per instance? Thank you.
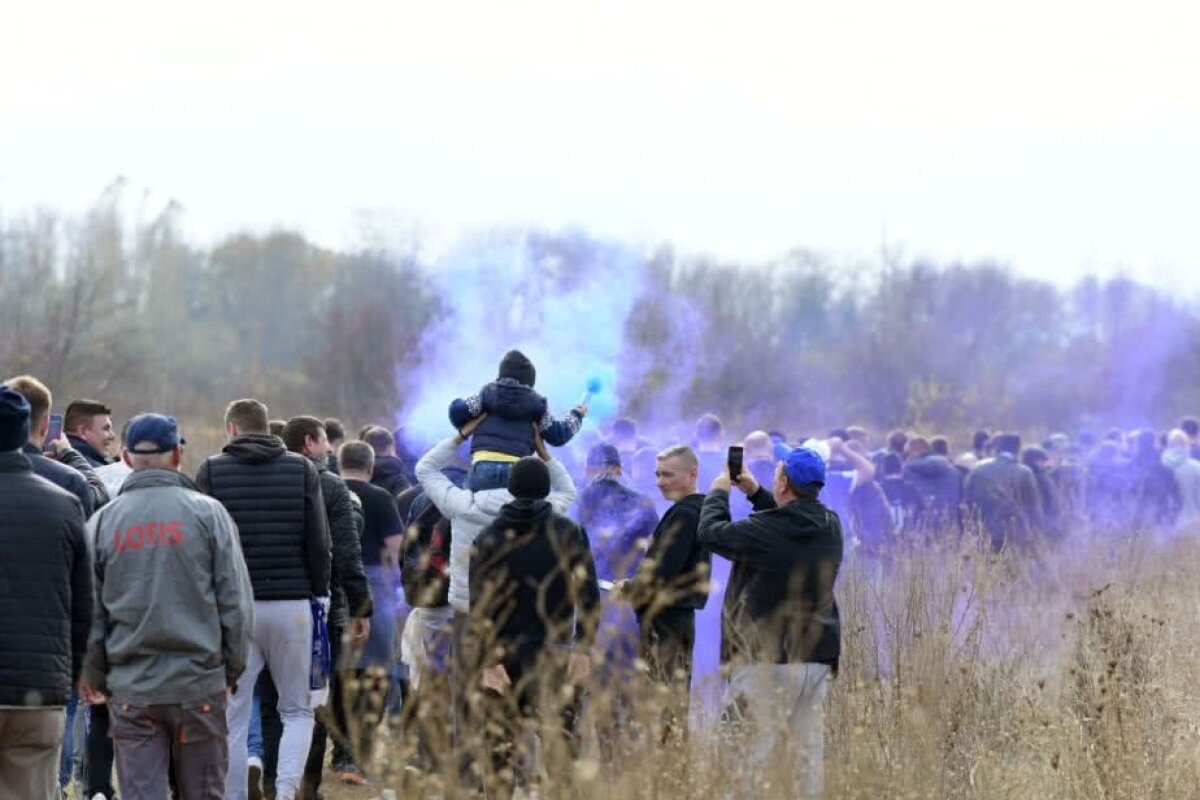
(668, 639)
(509, 719)
(97, 754)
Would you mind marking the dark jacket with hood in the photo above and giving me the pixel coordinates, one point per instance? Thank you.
(350, 593)
(779, 604)
(391, 473)
(513, 407)
(938, 483)
(425, 554)
(275, 498)
(45, 588)
(532, 585)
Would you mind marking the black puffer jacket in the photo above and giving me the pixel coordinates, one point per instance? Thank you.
(45, 588)
(351, 595)
(275, 498)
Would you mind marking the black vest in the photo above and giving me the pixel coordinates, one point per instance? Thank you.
(266, 500)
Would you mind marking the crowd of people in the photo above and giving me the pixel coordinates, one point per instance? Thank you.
(229, 633)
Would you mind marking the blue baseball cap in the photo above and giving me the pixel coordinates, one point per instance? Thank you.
(157, 430)
(803, 465)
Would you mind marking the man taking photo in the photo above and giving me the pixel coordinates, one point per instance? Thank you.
(780, 634)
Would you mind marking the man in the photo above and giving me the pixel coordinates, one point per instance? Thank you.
(469, 513)
(275, 498)
(89, 429)
(780, 633)
(624, 436)
(382, 537)
(619, 523)
(425, 643)
(908, 506)
(1004, 494)
(89, 443)
(897, 440)
(351, 605)
(534, 598)
(45, 610)
(671, 585)
(1191, 428)
(67, 469)
(390, 472)
(846, 468)
(1178, 458)
(172, 621)
(336, 432)
(936, 481)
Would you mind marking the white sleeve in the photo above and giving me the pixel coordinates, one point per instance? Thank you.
(562, 488)
(448, 498)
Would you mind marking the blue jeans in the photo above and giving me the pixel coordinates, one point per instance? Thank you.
(67, 762)
(379, 649)
(254, 741)
(489, 475)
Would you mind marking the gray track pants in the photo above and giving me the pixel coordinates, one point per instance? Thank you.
(282, 641)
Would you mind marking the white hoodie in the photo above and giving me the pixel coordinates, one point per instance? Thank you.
(470, 512)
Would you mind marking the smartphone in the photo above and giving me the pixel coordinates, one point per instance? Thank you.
(54, 432)
(605, 586)
(735, 462)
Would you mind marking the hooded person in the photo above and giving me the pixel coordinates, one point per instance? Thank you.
(511, 411)
(936, 480)
(534, 597)
(780, 627)
(275, 498)
(470, 512)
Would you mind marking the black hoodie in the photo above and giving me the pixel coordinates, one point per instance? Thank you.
(531, 577)
(275, 498)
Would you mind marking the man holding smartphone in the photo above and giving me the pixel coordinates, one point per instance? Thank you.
(780, 630)
(63, 475)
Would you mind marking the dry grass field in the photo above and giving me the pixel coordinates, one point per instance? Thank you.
(1068, 671)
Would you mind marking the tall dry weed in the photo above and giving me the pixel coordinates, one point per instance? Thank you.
(1066, 670)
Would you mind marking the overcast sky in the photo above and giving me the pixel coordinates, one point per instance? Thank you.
(1063, 137)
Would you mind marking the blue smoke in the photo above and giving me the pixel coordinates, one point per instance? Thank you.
(562, 300)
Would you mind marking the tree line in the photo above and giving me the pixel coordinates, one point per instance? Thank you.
(131, 313)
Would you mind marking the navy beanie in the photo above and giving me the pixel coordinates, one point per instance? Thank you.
(14, 419)
(529, 479)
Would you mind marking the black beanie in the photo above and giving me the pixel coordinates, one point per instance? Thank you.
(14, 419)
(516, 366)
(529, 479)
